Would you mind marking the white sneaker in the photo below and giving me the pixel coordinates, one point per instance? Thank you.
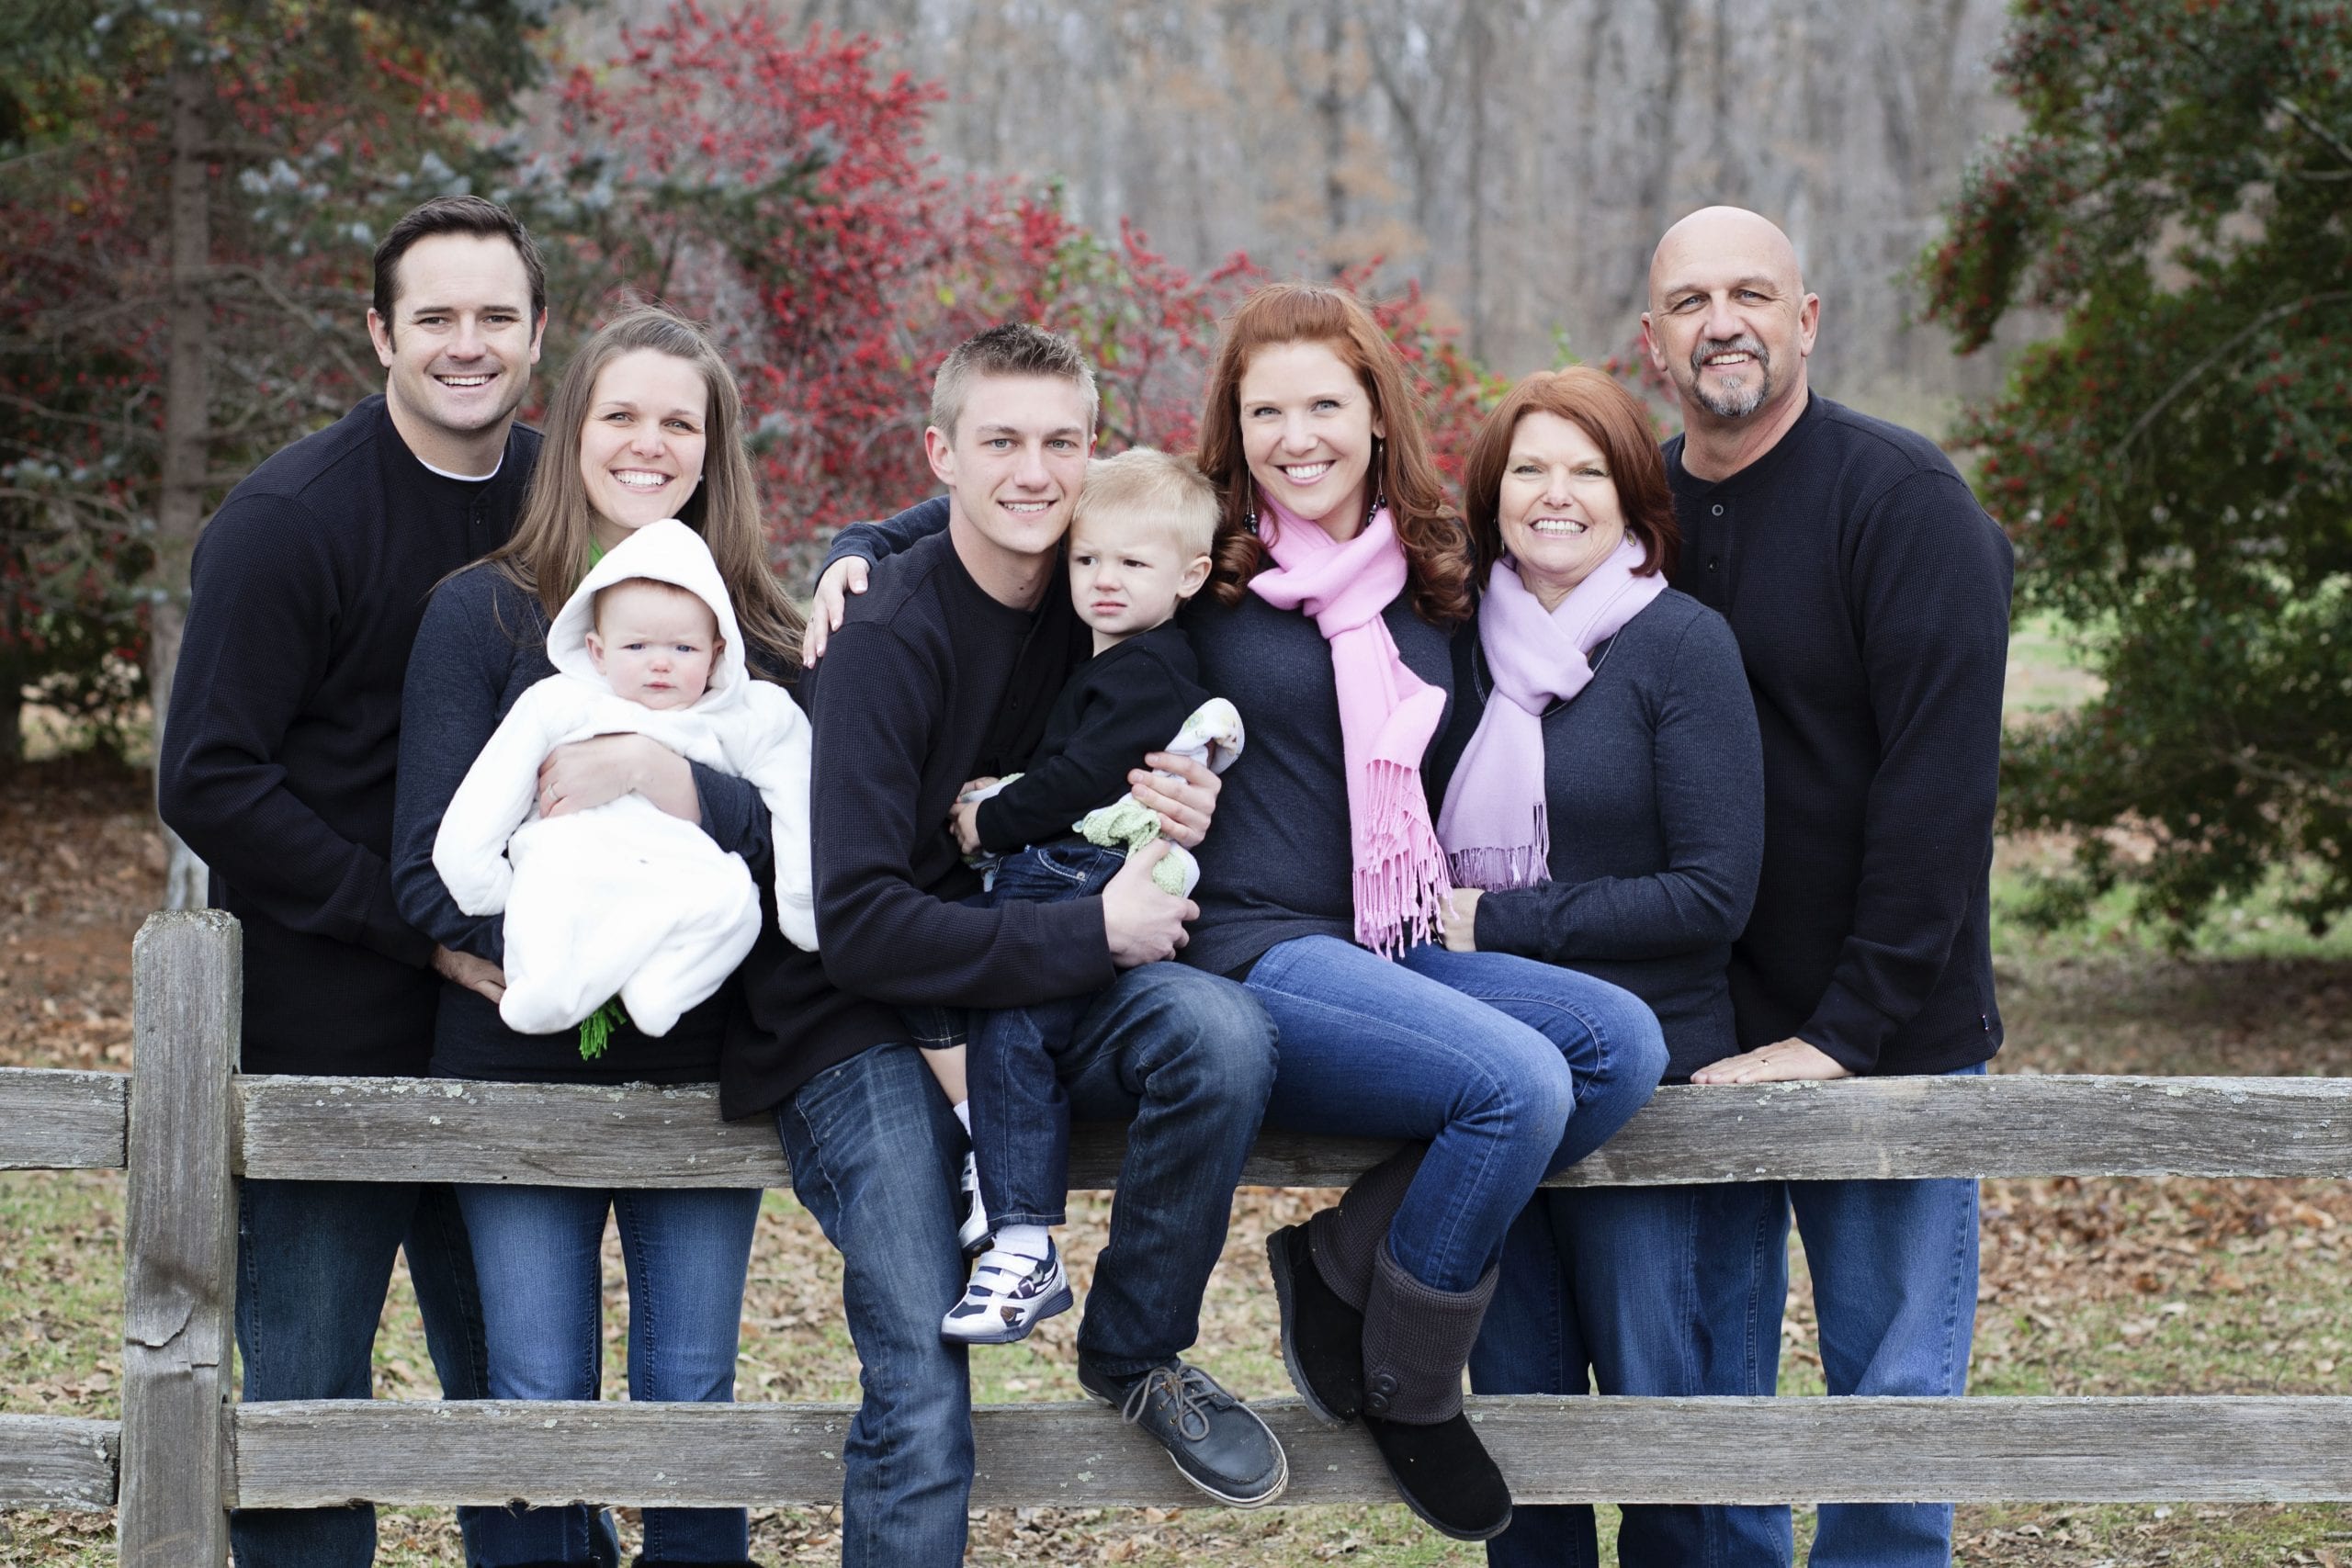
(1009, 1295)
(972, 1234)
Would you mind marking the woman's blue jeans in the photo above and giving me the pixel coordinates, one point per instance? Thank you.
(538, 1254)
(1507, 1067)
(1679, 1290)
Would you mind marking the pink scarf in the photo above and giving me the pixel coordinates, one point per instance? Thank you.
(1495, 831)
(1387, 717)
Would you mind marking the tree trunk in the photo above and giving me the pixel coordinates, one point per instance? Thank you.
(187, 429)
(1480, 82)
(12, 710)
(1332, 110)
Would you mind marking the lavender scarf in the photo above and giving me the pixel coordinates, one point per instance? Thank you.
(1387, 717)
(1495, 828)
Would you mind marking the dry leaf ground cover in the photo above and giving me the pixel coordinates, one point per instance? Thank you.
(2089, 1287)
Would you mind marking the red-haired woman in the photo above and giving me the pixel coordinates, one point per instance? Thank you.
(1603, 790)
(1341, 574)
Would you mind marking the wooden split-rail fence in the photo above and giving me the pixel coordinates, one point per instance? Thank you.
(185, 1125)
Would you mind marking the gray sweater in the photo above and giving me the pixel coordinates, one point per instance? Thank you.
(1654, 785)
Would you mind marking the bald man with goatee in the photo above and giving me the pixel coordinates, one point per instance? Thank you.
(1869, 594)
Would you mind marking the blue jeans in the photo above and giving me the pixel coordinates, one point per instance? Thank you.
(1680, 1290)
(314, 1259)
(1636, 1290)
(1509, 1068)
(1020, 1116)
(875, 1154)
(537, 1252)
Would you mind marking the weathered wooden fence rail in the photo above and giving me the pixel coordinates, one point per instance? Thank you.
(185, 1126)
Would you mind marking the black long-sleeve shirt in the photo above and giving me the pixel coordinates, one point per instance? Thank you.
(1654, 789)
(929, 683)
(284, 726)
(1129, 699)
(1280, 863)
(1870, 597)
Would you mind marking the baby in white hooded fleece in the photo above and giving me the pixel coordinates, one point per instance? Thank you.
(624, 899)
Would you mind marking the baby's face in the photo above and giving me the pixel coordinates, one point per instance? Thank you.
(654, 646)
(1127, 574)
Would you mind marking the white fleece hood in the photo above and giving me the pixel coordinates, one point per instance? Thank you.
(667, 551)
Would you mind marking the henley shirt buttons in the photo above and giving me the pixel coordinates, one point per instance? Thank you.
(1719, 508)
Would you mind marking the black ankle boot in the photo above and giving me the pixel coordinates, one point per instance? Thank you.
(1322, 1334)
(1416, 1342)
(1322, 1273)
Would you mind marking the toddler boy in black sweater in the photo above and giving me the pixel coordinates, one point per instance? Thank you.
(1140, 547)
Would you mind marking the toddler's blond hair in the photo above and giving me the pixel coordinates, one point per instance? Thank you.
(1156, 487)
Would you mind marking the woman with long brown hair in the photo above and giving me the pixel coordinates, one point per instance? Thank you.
(646, 424)
(1341, 574)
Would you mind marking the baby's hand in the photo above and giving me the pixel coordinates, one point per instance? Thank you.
(965, 823)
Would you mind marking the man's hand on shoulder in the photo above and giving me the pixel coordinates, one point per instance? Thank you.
(478, 976)
(1783, 1061)
(1143, 924)
(846, 576)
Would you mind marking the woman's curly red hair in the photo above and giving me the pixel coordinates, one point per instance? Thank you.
(1436, 550)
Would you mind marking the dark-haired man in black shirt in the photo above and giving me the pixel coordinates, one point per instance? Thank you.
(276, 768)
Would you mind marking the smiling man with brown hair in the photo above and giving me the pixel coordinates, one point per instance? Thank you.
(276, 768)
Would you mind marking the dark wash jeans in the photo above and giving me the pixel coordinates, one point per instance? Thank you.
(1020, 1115)
(875, 1153)
(538, 1252)
(1679, 1290)
(314, 1259)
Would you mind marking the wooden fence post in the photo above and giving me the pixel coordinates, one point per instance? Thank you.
(180, 1243)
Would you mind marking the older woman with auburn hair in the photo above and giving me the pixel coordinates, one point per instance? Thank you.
(1603, 792)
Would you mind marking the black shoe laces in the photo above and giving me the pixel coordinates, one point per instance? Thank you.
(1192, 1391)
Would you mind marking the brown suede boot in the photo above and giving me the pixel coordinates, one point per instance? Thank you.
(1416, 1341)
(1322, 1272)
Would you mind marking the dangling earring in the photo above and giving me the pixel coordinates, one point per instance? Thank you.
(1379, 483)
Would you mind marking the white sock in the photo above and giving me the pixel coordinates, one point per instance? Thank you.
(1028, 1241)
(964, 1114)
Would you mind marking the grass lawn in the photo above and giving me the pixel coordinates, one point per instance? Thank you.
(2089, 1287)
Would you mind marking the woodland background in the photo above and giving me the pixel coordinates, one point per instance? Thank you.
(2101, 248)
(1516, 158)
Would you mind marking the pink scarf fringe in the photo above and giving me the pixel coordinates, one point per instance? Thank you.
(1387, 716)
